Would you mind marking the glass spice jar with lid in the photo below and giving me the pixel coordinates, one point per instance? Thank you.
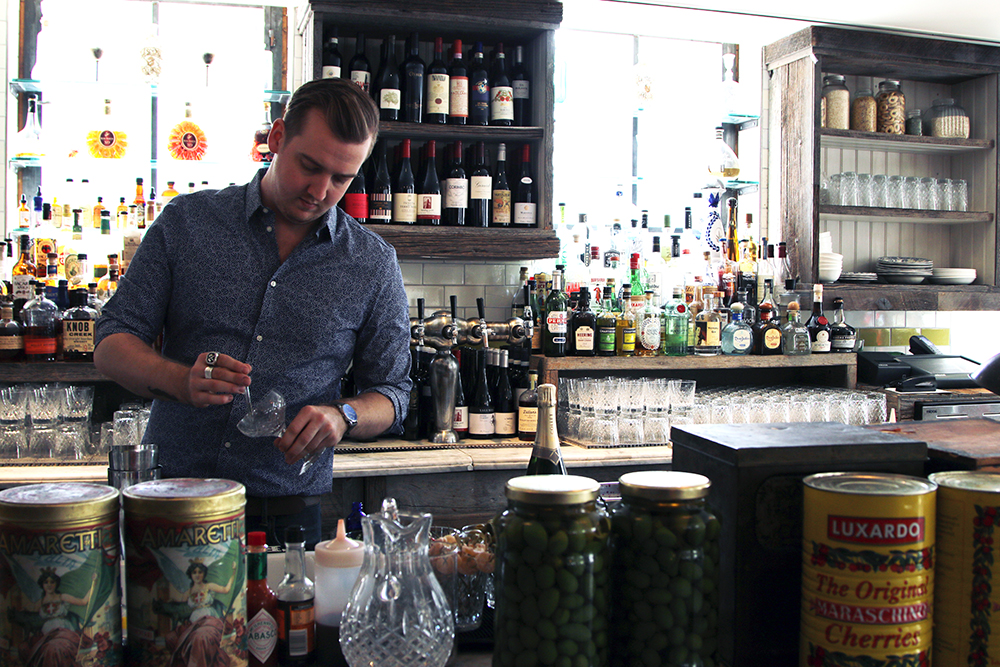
(863, 111)
(552, 573)
(838, 102)
(949, 120)
(891, 102)
(914, 123)
(665, 544)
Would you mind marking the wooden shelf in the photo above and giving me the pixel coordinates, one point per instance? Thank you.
(469, 242)
(900, 143)
(468, 133)
(52, 371)
(903, 215)
(878, 296)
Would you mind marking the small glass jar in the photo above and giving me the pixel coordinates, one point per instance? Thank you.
(666, 566)
(891, 108)
(914, 123)
(553, 563)
(838, 102)
(863, 111)
(949, 120)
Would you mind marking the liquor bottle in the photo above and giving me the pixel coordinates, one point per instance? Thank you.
(52, 270)
(404, 189)
(62, 296)
(505, 406)
(783, 266)
(722, 161)
(546, 455)
(708, 327)
(525, 205)
(412, 81)
(437, 86)
(429, 188)
(380, 188)
(387, 92)
(648, 328)
(22, 275)
(746, 306)
(480, 190)
(794, 335)
(501, 191)
(637, 302)
(583, 327)
(458, 87)
(556, 315)
(168, 194)
(413, 428)
(28, 142)
(355, 199)
(187, 141)
(104, 285)
(96, 212)
(23, 214)
(296, 604)
(765, 268)
(737, 336)
(78, 270)
(481, 414)
(607, 320)
(625, 325)
(726, 270)
(150, 209)
(260, 152)
(521, 84)
(140, 205)
(262, 605)
(331, 56)
(527, 409)
(78, 326)
(767, 333)
(842, 335)
(40, 320)
(501, 91)
(676, 322)
(456, 191)
(818, 325)
(121, 214)
(479, 88)
(92, 299)
(359, 68)
(11, 340)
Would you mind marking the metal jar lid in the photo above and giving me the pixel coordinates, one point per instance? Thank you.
(55, 503)
(968, 480)
(552, 489)
(870, 484)
(184, 497)
(663, 485)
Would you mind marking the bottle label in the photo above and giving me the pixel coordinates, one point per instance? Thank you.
(772, 339)
(628, 339)
(707, 334)
(22, 286)
(456, 193)
(437, 93)
(40, 345)
(428, 207)
(480, 98)
(524, 214)
(380, 207)
(388, 98)
(506, 423)
(480, 187)
(605, 339)
(522, 89)
(501, 207)
(78, 336)
(536, 339)
(356, 205)
(842, 343)
(742, 339)
(296, 627)
(502, 103)
(822, 342)
(583, 338)
(331, 71)
(482, 424)
(460, 422)
(404, 208)
(649, 333)
(458, 98)
(555, 321)
(362, 79)
(262, 635)
(9, 343)
(527, 419)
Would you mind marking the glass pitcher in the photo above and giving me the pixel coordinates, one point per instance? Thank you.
(397, 614)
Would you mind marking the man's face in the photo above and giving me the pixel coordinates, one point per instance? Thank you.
(312, 170)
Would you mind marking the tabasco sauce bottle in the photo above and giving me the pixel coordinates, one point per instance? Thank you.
(262, 606)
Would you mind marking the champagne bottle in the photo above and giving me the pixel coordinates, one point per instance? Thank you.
(479, 88)
(480, 190)
(404, 191)
(521, 84)
(387, 82)
(360, 70)
(501, 191)
(546, 456)
(458, 87)
(437, 86)
(481, 415)
(525, 206)
(429, 197)
(456, 191)
(412, 81)
(501, 92)
(331, 56)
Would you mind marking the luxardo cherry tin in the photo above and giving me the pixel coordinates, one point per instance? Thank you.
(867, 570)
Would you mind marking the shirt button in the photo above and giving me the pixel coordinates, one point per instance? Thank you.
(228, 445)
(269, 228)
(259, 338)
(274, 283)
(267, 210)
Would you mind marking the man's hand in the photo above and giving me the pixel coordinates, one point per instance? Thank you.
(315, 427)
(228, 376)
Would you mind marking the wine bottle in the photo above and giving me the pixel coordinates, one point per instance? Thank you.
(412, 81)
(331, 56)
(429, 197)
(380, 195)
(546, 456)
(501, 191)
(481, 414)
(456, 191)
(387, 82)
(359, 69)
(437, 86)
(501, 91)
(479, 88)
(460, 423)
(818, 325)
(404, 190)
(525, 206)
(355, 199)
(521, 84)
(458, 87)
(527, 409)
(505, 408)
(480, 190)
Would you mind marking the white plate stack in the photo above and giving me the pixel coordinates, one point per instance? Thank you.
(831, 264)
(953, 276)
(904, 270)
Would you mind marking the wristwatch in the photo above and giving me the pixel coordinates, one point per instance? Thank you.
(350, 416)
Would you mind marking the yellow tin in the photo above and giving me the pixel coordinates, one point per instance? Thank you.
(186, 573)
(60, 602)
(967, 601)
(867, 574)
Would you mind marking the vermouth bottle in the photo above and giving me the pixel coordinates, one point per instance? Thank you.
(546, 455)
(556, 315)
(380, 192)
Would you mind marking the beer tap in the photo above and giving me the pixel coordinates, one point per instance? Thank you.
(443, 377)
(443, 330)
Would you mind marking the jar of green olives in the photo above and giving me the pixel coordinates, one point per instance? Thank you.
(552, 574)
(665, 572)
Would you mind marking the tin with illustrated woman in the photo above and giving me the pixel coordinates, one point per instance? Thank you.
(60, 601)
(186, 573)
(868, 570)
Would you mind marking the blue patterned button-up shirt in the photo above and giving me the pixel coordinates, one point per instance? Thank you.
(208, 275)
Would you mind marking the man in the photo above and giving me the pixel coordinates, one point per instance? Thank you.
(268, 281)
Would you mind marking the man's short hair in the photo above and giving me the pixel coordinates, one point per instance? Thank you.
(349, 113)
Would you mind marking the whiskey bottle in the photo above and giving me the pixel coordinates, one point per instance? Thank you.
(818, 325)
(79, 322)
(546, 455)
(11, 340)
(842, 335)
(40, 318)
(22, 275)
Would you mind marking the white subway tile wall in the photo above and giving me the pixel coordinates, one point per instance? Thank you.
(436, 281)
(965, 329)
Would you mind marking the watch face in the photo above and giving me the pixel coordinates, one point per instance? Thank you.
(352, 416)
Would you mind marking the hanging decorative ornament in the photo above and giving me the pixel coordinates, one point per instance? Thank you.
(152, 58)
(98, 52)
(208, 58)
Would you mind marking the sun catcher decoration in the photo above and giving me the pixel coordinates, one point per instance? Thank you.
(106, 141)
(187, 141)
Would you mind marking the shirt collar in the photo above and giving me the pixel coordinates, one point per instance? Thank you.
(255, 204)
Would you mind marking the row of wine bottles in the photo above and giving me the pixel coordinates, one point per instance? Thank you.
(469, 190)
(461, 92)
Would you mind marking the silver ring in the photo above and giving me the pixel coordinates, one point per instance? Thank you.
(208, 372)
(211, 358)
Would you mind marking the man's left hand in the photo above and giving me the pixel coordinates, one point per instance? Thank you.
(314, 428)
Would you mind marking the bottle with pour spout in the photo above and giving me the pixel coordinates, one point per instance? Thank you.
(338, 563)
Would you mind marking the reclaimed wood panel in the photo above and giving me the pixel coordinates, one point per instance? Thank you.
(468, 242)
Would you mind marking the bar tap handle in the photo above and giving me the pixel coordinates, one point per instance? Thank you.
(483, 327)
(449, 332)
(417, 325)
